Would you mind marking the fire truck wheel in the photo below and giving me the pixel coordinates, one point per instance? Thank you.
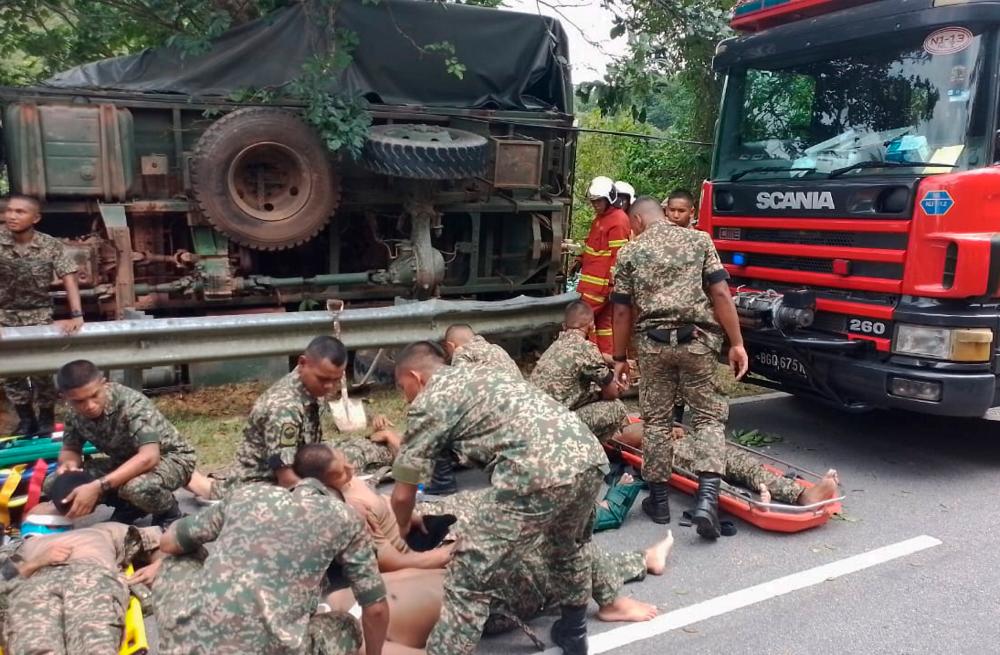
(425, 152)
(262, 177)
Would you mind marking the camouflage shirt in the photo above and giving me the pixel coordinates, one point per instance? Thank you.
(480, 352)
(272, 547)
(572, 370)
(663, 273)
(526, 440)
(130, 420)
(27, 274)
(285, 417)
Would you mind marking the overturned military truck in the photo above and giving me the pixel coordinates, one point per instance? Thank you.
(173, 199)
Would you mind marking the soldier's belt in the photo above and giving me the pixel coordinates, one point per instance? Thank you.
(674, 336)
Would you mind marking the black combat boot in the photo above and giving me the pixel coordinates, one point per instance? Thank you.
(443, 481)
(706, 511)
(570, 631)
(164, 519)
(27, 425)
(437, 526)
(657, 504)
(46, 421)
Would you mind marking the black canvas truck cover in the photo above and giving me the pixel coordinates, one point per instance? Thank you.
(513, 61)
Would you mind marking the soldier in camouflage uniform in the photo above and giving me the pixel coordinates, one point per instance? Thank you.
(546, 469)
(285, 417)
(145, 458)
(70, 594)
(258, 588)
(466, 348)
(29, 262)
(574, 372)
(661, 277)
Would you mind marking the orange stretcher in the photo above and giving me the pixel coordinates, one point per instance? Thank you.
(775, 517)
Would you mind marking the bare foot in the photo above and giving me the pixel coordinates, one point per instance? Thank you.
(822, 490)
(765, 493)
(200, 485)
(626, 609)
(656, 555)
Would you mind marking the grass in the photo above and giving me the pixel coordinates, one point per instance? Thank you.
(736, 389)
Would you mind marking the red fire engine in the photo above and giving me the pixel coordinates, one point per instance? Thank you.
(855, 199)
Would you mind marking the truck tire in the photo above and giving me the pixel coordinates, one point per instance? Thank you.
(425, 152)
(262, 177)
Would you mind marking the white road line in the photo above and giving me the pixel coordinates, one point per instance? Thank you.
(618, 637)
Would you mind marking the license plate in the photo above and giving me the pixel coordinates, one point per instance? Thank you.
(781, 362)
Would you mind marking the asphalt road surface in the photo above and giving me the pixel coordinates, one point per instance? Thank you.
(914, 568)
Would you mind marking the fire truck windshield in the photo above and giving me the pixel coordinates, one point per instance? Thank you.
(907, 105)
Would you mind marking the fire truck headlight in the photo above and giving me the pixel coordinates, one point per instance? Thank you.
(951, 344)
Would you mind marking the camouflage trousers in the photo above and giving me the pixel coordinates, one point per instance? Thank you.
(527, 591)
(330, 633)
(559, 521)
(744, 470)
(151, 492)
(685, 370)
(365, 455)
(40, 389)
(68, 609)
(604, 417)
(530, 588)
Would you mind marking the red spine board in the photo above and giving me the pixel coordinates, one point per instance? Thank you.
(788, 12)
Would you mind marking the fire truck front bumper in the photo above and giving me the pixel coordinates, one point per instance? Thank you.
(849, 374)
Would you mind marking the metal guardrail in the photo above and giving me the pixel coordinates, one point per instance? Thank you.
(156, 341)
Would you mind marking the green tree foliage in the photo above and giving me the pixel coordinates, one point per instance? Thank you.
(663, 87)
(670, 42)
(655, 167)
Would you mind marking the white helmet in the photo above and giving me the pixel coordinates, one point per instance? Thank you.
(602, 187)
(624, 189)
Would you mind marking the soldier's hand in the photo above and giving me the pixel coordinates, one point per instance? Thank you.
(83, 499)
(381, 422)
(622, 375)
(390, 438)
(146, 574)
(56, 554)
(71, 325)
(739, 361)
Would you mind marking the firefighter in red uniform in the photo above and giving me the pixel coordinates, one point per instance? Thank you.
(609, 232)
